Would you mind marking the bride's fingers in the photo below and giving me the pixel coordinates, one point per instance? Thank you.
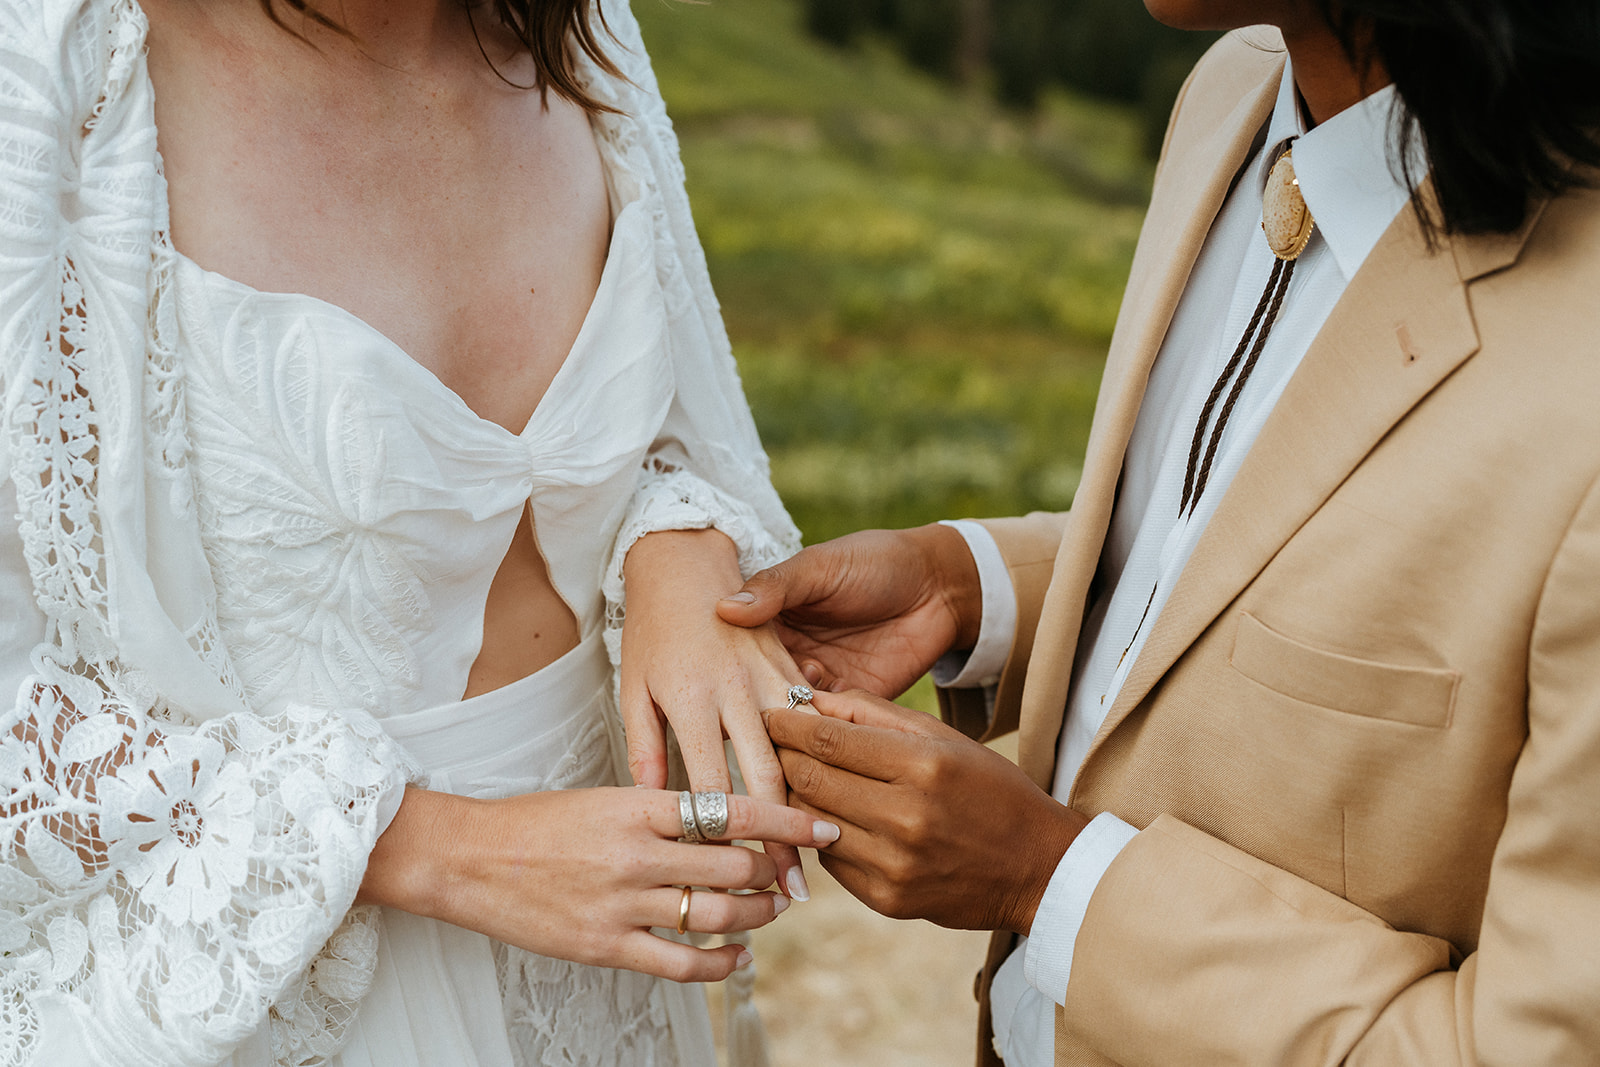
(646, 733)
(640, 950)
(749, 819)
(704, 757)
(710, 913)
(733, 867)
(763, 779)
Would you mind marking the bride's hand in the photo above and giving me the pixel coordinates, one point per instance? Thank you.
(683, 665)
(583, 874)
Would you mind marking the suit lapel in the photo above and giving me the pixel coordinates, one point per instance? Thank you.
(1174, 232)
(1402, 326)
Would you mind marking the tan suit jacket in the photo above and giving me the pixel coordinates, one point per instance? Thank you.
(1363, 737)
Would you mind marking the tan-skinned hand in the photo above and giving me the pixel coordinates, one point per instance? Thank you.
(932, 824)
(684, 666)
(584, 874)
(872, 610)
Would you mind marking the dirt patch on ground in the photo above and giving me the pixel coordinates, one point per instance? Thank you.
(841, 986)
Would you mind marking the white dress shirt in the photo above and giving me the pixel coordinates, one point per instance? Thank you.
(1354, 193)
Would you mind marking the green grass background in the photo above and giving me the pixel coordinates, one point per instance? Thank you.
(920, 287)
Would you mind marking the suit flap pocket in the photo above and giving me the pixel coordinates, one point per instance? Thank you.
(1422, 696)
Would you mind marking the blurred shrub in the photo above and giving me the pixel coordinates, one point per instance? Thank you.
(1111, 49)
(838, 22)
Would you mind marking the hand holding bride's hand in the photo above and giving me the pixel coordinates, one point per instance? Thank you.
(683, 665)
(872, 610)
(933, 824)
(583, 874)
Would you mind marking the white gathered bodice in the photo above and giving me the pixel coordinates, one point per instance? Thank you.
(355, 510)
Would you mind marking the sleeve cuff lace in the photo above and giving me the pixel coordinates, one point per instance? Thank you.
(674, 498)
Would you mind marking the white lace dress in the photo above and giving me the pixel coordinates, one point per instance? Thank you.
(246, 585)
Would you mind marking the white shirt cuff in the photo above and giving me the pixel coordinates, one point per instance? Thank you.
(981, 666)
(1047, 964)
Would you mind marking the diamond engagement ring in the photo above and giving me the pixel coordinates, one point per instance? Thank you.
(686, 816)
(711, 812)
(800, 694)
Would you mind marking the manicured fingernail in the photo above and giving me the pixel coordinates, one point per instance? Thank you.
(824, 833)
(796, 882)
(743, 961)
(812, 672)
(779, 903)
(741, 597)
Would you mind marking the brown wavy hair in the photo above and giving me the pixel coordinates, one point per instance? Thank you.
(543, 27)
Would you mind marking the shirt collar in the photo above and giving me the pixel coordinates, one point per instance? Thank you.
(1353, 190)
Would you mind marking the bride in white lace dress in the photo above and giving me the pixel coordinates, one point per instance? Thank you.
(334, 418)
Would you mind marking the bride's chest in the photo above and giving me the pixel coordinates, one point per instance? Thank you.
(354, 509)
(467, 225)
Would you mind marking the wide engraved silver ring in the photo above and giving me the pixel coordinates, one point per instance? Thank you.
(711, 812)
(800, 694)
(691, 825)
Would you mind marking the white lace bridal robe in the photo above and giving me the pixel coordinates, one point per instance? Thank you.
(245, 585)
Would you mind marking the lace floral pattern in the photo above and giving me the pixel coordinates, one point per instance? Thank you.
(170, 864)
(315, 592)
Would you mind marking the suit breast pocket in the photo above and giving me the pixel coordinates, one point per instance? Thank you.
(1420, 696)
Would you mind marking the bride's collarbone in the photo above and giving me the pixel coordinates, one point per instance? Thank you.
(458, 217)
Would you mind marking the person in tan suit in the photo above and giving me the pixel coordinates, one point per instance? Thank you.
(1308, 681)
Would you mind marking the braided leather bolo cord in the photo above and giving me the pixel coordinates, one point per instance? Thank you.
(1266, 313)
(1198, 471)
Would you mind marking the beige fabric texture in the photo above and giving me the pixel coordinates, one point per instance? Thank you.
(1364, 735)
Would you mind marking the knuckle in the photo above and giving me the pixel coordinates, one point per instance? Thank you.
(827, 740)
(899, 869)
(763, 769)
(926, 770)
(886, 900)
(681, 968)
(725, 916)
(806, 778)
(742, 811)
(747, 867)
(633, 867)
(918, 826)
(900, 907)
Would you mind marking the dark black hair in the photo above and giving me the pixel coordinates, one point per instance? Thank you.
(1504, 96)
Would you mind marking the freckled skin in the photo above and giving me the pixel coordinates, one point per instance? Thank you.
(455, 214)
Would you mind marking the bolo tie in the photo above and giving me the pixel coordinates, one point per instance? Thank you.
(1287, 223)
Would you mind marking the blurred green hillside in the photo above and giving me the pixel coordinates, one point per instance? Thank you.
(920, 287)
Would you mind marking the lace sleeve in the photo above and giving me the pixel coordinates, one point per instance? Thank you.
(176, 872)
(162, 887)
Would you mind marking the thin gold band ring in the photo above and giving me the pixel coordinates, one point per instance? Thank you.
(683, 910)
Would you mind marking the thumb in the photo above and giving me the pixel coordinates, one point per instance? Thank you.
(758, 601)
